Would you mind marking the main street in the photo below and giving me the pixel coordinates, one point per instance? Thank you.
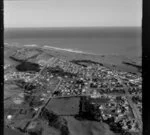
(134, 108)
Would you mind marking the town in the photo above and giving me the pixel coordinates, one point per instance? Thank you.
(115, 96)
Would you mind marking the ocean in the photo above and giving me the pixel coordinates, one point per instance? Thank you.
(124, 41)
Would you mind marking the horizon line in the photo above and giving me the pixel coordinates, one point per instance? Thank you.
(78, 27)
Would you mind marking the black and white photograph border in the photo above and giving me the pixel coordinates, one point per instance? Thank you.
(62, 75)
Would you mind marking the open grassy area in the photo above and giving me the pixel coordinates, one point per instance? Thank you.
(86, 127)
(64, 106)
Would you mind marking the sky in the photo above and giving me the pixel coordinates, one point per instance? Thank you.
(72, 13)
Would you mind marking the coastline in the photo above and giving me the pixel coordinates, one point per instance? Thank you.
(115, 62)
(54, 48)
(71, 50)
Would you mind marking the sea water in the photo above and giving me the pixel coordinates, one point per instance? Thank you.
(98, 40)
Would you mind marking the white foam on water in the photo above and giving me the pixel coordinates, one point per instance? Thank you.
(31, 45)
(63, 49)
(6, 44)
(68, 50)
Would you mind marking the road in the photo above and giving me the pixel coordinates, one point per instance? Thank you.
(48, 100)
(134, 108)
(49, 62)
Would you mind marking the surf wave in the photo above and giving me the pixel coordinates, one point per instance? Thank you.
(49, 47)
(31, 45)
(63, 49)
(11, 45)
(6, 44)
